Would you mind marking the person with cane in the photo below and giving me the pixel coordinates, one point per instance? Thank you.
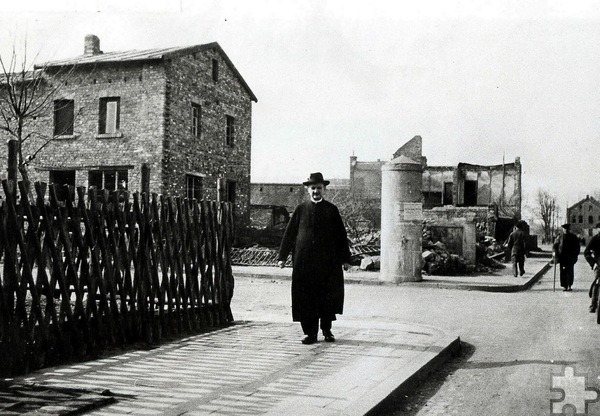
(565, 251)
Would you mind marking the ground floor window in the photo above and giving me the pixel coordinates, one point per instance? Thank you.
(110, 179)
(62, 178)
(193, 187)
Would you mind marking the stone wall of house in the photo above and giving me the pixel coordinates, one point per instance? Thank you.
(207, 155)
(583, 216)
(141, 89)
(281, 194)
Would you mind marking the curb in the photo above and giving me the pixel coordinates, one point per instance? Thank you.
(408, 382)
(425, 283)
(494, 288)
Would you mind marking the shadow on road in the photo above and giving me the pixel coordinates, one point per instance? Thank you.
(407, 403)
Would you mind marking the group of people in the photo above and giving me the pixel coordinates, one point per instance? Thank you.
(317, 240)
(565, 252)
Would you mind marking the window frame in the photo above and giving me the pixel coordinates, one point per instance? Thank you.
(196, 128)
(119, 175)
(64, 108)
(230, 130)
(191, 191)
(215, 69)
(103, 113)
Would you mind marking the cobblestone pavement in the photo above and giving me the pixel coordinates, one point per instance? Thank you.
(257, 368)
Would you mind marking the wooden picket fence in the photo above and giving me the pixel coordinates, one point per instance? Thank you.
(103, 270)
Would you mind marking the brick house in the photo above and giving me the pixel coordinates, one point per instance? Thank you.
(583, 216)
(175, 121)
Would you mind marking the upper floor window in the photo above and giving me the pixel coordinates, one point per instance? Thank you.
(581, 219)
(196, 119)
(193, 187)
(215, 70)
(591, 219)
(109, 115)
(230, 132)
(64, 116)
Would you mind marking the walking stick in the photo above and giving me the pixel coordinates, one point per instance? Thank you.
(554, 285)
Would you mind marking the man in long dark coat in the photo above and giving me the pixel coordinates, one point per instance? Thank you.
(517, 248)
(566, 249)
(316, 237)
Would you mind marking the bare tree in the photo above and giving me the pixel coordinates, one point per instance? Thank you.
(547, 211)
(27, 92)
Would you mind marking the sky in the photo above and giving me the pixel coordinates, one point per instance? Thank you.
(481, 82)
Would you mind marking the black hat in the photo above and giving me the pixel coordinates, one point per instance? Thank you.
(566, 226)
(314, 178)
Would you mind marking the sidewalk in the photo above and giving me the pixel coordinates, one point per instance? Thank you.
(500, 280)
(258, 368)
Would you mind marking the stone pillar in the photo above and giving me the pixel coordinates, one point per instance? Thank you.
(401, 220)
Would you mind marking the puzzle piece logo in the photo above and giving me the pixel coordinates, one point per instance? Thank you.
(576, 395)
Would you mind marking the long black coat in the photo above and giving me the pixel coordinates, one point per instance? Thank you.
(317, 239)
(567, 248)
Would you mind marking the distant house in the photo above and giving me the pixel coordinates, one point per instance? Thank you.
(175, 121)
(583, 216)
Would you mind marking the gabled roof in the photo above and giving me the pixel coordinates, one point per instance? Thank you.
(159, 54)
(586, 199)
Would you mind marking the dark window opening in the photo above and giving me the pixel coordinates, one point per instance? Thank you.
(62, 178)
(591, 219)
(145, 179)
(230, 132)
(470, 193)
(448, 198)
(110, 109)
(215, 70)
(580, 219)
(196, 120)
(64, 116)
(230, 191)
(193, 187)
(432, 199)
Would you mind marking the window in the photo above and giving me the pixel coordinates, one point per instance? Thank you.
(196, 120)
(109, 179)
(230, 132)
(109, 115)
(590, 208)
(470, 193)
(193, 188)
(215, 70)
(64, 115)
(574, 220)
(230, 191)
(591, 219)
(447, 197)
(580, 219)
(62, 178)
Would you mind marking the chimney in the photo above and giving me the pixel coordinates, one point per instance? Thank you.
(91, 45)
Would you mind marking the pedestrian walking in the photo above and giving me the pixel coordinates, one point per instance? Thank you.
(592, 256)
(565, 251)
(517, 248)
(317, 239)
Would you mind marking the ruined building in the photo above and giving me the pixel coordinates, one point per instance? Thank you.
(175, 121)
(478, 193)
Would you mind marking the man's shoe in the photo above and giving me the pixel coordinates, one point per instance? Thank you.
(523, 272)
(309, 340)
(592, 309)
(329, 337)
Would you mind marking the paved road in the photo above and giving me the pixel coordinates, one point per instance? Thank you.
(514, 342)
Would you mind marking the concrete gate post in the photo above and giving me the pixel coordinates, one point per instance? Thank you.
(401, 220)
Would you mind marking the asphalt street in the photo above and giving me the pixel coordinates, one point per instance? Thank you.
(514, 343)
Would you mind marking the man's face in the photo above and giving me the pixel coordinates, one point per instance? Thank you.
(315, 191)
